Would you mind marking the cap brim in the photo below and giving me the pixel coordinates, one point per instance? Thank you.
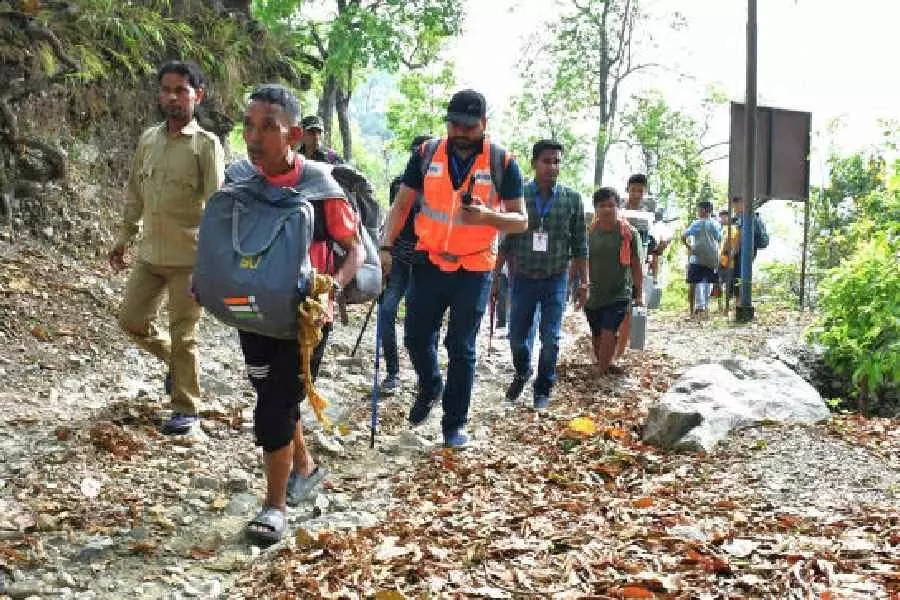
(462, 119)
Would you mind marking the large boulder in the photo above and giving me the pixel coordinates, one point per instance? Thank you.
(711, 399)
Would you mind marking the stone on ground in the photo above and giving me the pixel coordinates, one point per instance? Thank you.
(712, 399)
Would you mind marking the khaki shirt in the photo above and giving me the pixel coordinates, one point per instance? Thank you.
(171, 179)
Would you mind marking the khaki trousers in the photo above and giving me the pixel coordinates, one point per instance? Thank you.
(143, 298)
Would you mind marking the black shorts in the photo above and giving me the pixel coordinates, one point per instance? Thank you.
(606, 318)
(701, 274)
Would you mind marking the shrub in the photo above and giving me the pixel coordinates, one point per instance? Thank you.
(860, 321)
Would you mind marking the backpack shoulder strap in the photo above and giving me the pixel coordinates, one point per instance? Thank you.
(500, 159)
(426, 151)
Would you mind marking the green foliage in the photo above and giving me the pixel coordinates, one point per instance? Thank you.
(673, 152)
(860, 299)
(855, 202)
(112, 40)
(778, 282)
(860, 323)
(421, 106)
(544, 110)
(588, 49)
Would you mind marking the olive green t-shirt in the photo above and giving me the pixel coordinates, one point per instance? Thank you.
(611, 281)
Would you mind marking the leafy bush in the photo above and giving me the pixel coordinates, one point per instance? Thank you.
(860, 322)
(777, 281)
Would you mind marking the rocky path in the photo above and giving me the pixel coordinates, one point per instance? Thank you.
(95, 504)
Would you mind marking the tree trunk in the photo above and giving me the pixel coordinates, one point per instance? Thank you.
(600, 155)
(343, 106)
(326, 107)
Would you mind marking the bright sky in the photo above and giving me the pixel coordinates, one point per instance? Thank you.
(832, 58)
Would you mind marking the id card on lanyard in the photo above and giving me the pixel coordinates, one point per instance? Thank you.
(540, 240)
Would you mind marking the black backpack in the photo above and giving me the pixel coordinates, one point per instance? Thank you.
(366, 285)
(499, 160)
(760, 235)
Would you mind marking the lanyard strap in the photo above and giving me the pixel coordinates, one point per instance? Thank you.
(543, 209)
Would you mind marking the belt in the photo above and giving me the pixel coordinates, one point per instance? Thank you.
(534, 275)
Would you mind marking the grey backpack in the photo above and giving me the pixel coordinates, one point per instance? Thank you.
(253, 265)
(706, 246)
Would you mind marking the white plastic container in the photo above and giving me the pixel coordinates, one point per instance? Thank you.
(638, 328)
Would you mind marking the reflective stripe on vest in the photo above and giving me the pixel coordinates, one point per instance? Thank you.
(451, 244)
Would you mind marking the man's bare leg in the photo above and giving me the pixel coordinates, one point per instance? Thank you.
(607, 348)
(692, 291)
(303, 462)
(624, 334)
(278, 467)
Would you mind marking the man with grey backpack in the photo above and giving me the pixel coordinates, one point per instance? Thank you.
(703, 258)
(257, 252)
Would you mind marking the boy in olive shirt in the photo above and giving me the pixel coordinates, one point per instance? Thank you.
(616, 276)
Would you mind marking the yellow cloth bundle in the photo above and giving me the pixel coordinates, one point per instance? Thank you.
(311, 317)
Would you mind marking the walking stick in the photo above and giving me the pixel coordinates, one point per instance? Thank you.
(363, 329)
(375, 378)
(493, 307)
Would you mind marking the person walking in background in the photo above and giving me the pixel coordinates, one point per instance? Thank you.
(539, 260)
(731, 239)
(471, 189)
(176, 167)
(637, 191)
(702, 238)
(404, 255)
(311, 142)
(616, 277)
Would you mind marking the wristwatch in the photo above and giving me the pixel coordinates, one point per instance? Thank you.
(385, 248)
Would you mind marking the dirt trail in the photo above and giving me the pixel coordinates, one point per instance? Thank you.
(95, 504)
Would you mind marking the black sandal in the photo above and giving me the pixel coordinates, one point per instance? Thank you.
(268, 526)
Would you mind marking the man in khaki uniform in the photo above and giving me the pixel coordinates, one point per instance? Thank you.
(176, 167)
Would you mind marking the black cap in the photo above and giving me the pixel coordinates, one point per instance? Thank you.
(313, 122)
(467, 107)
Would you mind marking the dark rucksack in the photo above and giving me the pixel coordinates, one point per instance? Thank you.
(760, 235)
(366, 284)
(499, 160)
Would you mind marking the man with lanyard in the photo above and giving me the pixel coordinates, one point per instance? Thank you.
(462, 211)
(404, 256)
(538, 263)
(311, 142)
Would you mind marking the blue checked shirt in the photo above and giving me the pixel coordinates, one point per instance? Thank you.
(563, 222)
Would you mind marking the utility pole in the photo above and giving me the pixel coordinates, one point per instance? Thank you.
(743, 312)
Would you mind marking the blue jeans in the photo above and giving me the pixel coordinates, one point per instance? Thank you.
(525, 297)
(431, 293)
(398, 284)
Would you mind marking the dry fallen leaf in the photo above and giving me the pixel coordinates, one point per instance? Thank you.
(583, 425)
(635, 591)
(645, 502)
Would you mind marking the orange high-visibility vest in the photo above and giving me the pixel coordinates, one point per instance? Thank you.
(450, 244)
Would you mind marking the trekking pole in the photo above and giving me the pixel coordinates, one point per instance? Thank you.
(363, 329)
(375, 378)
(491, 310)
